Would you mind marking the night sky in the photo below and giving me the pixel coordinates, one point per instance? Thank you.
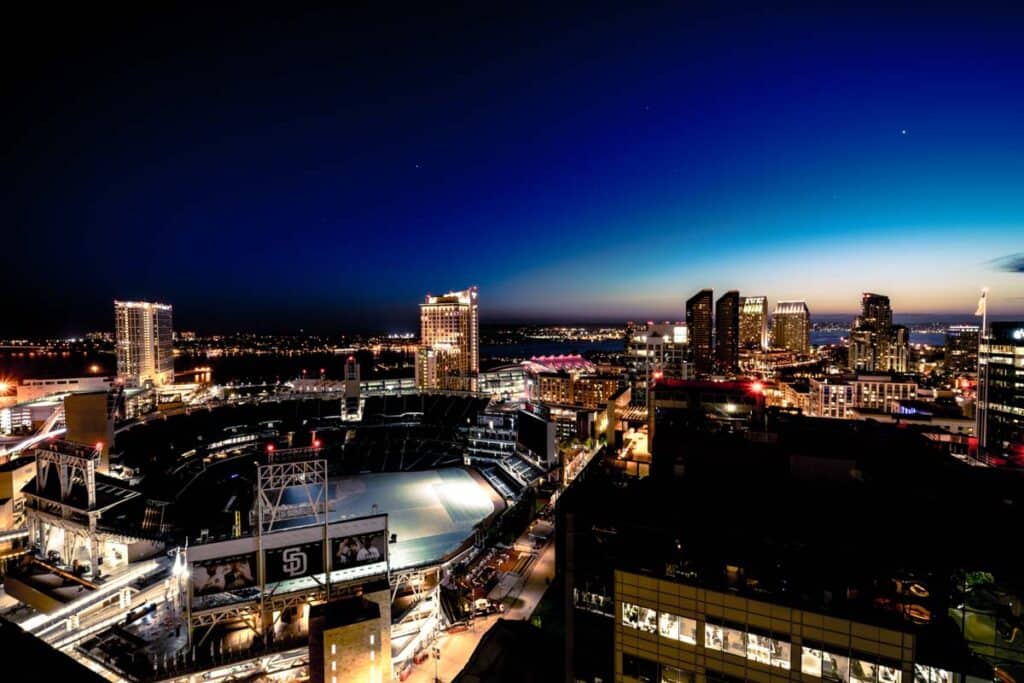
(325, 169)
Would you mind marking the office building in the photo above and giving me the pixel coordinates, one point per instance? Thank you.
(571, 389)
(89, 419)
(838, 397)
(962, 348)
(791, 327)
(754, 323)
(686, 578)
(1000, 408)
(656, 350)
(449, 351)
(350, 639)
(699, 327)
(727, 332)
(876, 345)
(145, 350)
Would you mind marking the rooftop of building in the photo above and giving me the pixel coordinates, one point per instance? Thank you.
(783, 307)
(110, 491)
(670, 383)
(556, 363)
(851, 377)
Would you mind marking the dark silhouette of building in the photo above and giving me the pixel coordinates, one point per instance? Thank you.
(698, 324)
(727, 331)
(962, 348)
(681, 559)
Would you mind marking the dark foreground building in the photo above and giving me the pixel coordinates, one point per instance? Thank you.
(810, 550)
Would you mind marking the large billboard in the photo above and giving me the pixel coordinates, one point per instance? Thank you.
(293, 562)
(224, 574)
(358, 549)
(221, 571)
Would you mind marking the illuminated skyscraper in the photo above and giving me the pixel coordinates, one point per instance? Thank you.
(754, 322)
(698, 324)
(876, 345)
(449, 352)
(727, 331)
(1000, 409)
(145, 351)
(657, 350)
(791, 326)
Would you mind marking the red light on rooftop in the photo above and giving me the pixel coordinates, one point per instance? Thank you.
(99, 445)
(317, 443)
(658, 374)
(757, 387)
(270, 448)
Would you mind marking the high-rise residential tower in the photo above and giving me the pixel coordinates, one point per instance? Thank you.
(876, 345)
(754, 322)
(727, 331)
(791, 326)
(657, 350)
(1000, 408)
(449, 352)
(962, 348)
(698, 324)
(145, 352)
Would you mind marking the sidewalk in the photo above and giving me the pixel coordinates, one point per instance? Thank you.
(457, 648)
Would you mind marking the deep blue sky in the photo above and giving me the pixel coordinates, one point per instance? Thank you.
(325, 169)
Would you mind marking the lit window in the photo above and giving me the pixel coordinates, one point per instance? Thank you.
(373, 638)
(835, 667)
(714, 637)
(642, 618)
(862, 671)
(810, 661)
(889, 674)
(334, 649)
(735, 642)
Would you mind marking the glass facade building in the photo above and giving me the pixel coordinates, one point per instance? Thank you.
(144, 343)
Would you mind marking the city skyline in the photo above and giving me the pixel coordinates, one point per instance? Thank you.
(648, 343)
(805, 153)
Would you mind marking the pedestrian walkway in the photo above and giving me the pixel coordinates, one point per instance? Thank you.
(526, 594)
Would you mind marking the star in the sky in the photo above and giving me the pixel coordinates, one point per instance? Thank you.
(903, 131)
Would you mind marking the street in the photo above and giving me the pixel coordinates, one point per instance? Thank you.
(457, 648)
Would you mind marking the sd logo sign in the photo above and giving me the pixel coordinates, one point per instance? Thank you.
(293, 562)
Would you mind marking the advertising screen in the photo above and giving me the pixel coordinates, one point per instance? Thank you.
(358, 549)
(224, 574)
(293, 562)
